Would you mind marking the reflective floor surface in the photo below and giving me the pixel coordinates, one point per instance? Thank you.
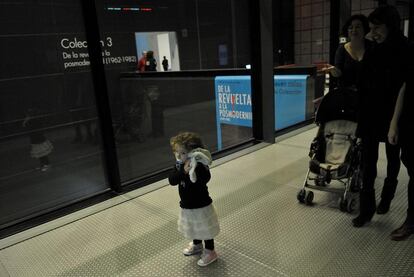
(264, 230)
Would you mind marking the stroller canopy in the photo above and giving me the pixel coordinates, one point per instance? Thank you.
(338, 104)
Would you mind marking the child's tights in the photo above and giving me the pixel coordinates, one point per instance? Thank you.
(209, 244)
(44, 160)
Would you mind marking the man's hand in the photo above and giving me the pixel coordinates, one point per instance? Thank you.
(393, 135)
(333, 70)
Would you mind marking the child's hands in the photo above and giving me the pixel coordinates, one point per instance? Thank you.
(187, 166)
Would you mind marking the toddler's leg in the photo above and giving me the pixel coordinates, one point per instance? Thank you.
(209, 254)
(44, 163)
(44, 160)
(209, 244)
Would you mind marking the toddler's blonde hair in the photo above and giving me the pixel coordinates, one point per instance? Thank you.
(188, 140)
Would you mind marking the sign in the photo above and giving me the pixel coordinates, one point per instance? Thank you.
(233, 102)
(75, 55)
(290, 100)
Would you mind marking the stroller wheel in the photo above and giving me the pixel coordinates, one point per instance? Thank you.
(309, 198)
(301, 196)
(351, 207)
(347, 205)
(343, 204)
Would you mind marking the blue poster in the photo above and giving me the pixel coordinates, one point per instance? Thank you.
(233, 102)
(290, 100)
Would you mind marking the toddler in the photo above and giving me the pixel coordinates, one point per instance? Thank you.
(41, 147)
(198, 218)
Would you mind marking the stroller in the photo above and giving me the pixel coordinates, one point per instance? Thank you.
(335, 152)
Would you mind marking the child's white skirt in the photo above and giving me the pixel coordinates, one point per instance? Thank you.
(41, 149)
(201, 223)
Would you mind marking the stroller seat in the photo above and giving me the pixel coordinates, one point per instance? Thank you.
(337, 139)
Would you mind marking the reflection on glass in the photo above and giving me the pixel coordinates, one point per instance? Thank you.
(150, 108)
(157, 108)
(49, 139)
(166, 44)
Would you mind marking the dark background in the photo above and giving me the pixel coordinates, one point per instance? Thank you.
(32, 73)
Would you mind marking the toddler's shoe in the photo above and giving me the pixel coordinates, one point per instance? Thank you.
(193, 249)
(45, 167)
(207, 257)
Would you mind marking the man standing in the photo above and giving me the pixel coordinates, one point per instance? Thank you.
(165, 64)
(401, 132)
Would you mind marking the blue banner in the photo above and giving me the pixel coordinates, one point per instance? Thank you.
(233, 102)
(290, 100)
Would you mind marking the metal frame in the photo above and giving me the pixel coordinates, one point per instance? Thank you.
(262, 70)
(411, 21)
(101, 95)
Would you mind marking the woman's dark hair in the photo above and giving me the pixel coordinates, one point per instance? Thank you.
(150, 54)
(387, 15)
(360, 17)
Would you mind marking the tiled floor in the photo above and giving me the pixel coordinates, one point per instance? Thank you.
(264, 230)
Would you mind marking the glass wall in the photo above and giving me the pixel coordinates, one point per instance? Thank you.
(195, 37)
(297, 25)
(49, 137)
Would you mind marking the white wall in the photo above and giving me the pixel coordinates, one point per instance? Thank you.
(163, 44)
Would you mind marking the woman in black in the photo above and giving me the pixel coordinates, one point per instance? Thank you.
(379, 86)
(348, 56)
